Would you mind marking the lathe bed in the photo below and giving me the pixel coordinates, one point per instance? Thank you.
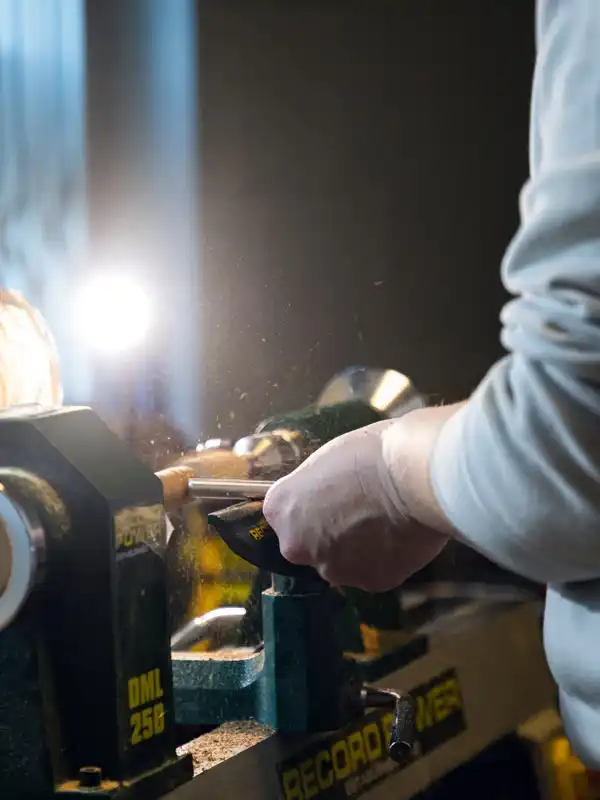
(483, 677)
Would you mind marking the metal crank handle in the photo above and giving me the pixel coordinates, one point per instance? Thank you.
(404, 724)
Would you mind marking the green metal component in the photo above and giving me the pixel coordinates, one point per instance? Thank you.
(308, 684)
(210, 691)
(320, 424)
(303, 681)
(300, 682)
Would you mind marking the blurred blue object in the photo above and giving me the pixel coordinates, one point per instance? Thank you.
(98, 172)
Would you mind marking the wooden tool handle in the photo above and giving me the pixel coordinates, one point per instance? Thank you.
(175, 485)
(221, 464)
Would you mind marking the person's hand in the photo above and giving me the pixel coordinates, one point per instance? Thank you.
(342, 512)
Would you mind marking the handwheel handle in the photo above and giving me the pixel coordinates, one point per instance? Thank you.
(404, 729)
(404, 723)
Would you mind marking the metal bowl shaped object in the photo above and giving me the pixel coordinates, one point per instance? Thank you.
(385, 390)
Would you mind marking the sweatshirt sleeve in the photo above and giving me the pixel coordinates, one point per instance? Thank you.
(517, 469)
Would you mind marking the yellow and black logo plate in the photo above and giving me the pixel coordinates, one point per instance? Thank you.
(347, 763)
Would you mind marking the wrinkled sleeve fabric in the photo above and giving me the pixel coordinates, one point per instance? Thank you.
(517, 469)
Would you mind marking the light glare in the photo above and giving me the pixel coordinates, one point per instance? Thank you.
(113, 313)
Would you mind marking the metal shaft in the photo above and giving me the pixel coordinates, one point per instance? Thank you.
(217, 489)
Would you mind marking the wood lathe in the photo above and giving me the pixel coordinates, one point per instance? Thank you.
(342, 695)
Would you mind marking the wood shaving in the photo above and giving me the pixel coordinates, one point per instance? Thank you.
(224, 742)
(226, 654)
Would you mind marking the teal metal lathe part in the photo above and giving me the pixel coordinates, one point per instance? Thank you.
(307, 681)
(302, 681)
(211, 691)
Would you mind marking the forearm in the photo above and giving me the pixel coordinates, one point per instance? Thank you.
(515, 471)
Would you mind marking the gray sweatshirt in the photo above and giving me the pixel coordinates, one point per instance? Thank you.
(517, 470)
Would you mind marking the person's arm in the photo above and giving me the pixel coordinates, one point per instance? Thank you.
(516, 470)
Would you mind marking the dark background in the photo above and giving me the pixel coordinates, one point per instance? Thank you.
(361, 169)
(360, 164)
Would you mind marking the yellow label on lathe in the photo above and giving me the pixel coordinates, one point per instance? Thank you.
(148, 717)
